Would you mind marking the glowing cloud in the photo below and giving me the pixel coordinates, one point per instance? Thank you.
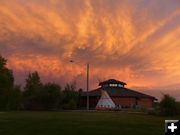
(134, 41)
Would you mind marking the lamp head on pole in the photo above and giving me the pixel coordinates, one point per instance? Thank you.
(71, 61)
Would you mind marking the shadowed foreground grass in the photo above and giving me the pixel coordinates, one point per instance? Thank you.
(80, 123)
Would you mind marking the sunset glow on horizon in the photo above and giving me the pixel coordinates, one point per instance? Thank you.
(137, 42)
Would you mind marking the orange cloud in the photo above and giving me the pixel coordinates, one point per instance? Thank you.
(133, 41)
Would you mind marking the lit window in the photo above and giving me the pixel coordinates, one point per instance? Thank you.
(113, 85)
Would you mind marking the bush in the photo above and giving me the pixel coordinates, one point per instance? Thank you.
(178, 107)
(168, 106)
(153, 112)
(70, 106)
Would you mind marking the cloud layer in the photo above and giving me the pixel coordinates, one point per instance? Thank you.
(134, 41)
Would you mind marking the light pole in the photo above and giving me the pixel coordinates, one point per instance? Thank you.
(87, 87)
(87, 70)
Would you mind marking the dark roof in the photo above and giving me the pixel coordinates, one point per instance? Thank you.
(112, 81)
(118, 92)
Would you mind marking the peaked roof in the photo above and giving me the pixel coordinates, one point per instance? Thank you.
(112, 81)
(105, 101)
(104, 94)
(118, 92)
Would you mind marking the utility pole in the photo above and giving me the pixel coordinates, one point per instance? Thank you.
(87, 104)
(87, 87)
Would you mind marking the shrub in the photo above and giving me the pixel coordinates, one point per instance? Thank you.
(178, 107)
(70, 106)
(168, 106)
(153, 112)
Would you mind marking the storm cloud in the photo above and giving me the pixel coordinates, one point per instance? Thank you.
(134, 41)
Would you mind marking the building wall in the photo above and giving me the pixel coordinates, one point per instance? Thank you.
(92, 101)
(132, 102)
(145, 102)
(123, 101)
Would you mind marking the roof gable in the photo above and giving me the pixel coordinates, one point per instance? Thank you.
(112, 81)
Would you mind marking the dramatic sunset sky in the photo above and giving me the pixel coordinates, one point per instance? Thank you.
(135, 41)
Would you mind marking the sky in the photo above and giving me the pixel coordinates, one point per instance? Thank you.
(137, 42)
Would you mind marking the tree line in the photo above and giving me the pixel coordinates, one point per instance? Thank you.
(50, 96)
(35, 95)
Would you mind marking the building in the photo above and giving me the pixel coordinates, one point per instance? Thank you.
(121, 96)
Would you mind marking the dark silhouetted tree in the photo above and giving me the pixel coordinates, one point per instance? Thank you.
(15, 98)
(32, 92)
(6, 76)
(79, 97)
(168, 106)
(69, 93)
(51, 96)
(10, 95)
(71, 97)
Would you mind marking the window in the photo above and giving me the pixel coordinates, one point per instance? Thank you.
(105, 85)
(119, 85)
(113, 85)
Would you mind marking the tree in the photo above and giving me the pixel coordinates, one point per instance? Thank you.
(15, 98)
(3, 62)
(6, 76)
(71, 96)
(168, 106)
(70, 93)
(32, 91)
(10, 94)
(79, 97)
(6, 83)
(51, 96)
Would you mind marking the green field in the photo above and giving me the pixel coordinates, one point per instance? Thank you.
(80, 123)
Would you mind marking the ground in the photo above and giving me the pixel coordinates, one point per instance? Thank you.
(80, 123)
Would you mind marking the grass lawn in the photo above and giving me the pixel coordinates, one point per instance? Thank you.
(80, 123)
